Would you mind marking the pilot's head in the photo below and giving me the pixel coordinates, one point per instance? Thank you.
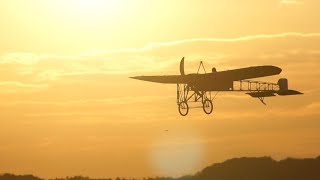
(214, 70)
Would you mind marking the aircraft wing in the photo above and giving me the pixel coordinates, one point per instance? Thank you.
(222, 76)
(171, 79)
(248, 73)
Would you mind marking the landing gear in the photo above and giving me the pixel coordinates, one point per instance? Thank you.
(183, 108)
(183, 97)
(207, 106)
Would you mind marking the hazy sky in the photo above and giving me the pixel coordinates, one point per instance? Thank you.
(68, 107)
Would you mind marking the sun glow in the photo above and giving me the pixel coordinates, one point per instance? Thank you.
(93, 11)
(93, 6)
(176, 155)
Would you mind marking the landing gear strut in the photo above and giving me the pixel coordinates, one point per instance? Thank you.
(183, 97)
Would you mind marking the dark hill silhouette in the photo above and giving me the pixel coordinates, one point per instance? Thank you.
(18, 177)
(262, 168)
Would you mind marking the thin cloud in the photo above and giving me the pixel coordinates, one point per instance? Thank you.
(154, 45)
(281, 48)
(31, 58)
(22, 85)
(239, 39)
(113, 101)
(289, 2)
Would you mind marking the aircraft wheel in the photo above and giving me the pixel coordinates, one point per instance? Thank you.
(207, 106)
(183, 108)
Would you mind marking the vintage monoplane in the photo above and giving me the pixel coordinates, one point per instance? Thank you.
(202, 85)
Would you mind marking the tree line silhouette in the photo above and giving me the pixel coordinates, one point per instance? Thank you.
(262, 168)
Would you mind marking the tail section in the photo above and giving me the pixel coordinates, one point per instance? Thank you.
(284, 90)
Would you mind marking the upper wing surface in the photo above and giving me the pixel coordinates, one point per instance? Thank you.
(230, 75)
(171, 79)
(248, 73)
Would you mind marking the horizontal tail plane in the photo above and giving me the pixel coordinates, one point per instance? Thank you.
(283, 90)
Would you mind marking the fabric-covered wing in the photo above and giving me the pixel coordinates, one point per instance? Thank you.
(248, 73)
(171, 79)
(215, 77)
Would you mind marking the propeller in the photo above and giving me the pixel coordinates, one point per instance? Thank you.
(182, 67)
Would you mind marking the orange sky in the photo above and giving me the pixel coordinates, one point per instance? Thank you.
(68, 107)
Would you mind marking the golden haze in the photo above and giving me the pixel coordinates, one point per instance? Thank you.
(68, 107)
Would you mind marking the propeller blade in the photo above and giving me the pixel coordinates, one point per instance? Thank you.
(182, 67)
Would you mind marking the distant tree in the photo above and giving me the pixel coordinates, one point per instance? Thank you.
(8, 176)
(79, 178)
(262, 168)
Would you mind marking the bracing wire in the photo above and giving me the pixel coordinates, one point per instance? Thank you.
(201, 64)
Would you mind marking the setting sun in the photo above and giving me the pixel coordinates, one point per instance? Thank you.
(90, 12)
(91, 7)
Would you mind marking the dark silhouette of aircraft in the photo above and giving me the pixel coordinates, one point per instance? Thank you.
(202, 85)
